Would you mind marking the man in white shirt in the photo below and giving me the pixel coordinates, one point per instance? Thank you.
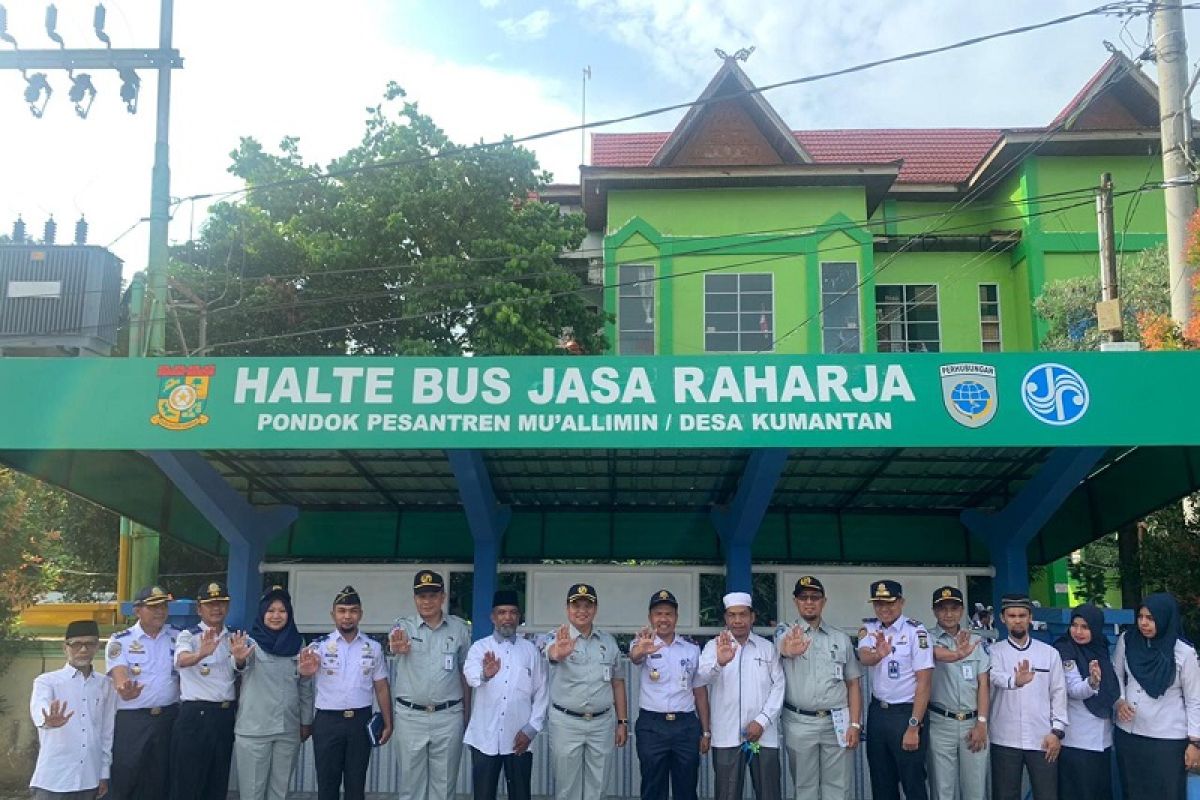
(1029, 707)
(745, 683)
(74, 709)
(508, 674)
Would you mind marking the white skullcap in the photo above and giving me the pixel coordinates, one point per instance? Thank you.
(738, 599)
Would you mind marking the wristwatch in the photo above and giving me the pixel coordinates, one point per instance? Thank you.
(982, 719)
(622, 722)
(913, 722)
(708, 734)
(1059, 733)
(856, 725)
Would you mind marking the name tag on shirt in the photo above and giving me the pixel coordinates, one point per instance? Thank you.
(968, 672)
(607, 673)
(893, 669)
(448, 663)
(837, 673)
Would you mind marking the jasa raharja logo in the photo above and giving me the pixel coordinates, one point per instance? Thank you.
(182, 396)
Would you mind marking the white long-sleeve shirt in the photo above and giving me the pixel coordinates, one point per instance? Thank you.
(511, 701)
(748, 689)
(1087, 731)
(1175, 714)
(1022, 716)
(76, 756)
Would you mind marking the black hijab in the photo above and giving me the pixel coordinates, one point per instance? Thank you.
(1152, 661)
(1101, 703)
(285, 642)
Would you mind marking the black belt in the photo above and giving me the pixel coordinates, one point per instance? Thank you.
(669, 716)
(581, 714)
(875, 701)
(801, 711)
(154, 712)
(347, 713)
(429, 707)
(223, 704)
(961, 716)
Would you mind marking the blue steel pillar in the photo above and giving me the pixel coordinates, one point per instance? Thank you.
(737, 523)
(488, 520)
(246, 529)
(1009, 531)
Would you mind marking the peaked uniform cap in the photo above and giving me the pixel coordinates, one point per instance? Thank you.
(808, 582)
(152, 596)
(886, 592)
(582, 591)
(663, 596)
(212, 592)
(948, 594)
(348, 596)
(428, 581)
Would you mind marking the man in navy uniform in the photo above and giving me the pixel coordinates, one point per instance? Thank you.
(141, 662)
(352, 676)
(202, 742)
(672, 729)
(898, 653)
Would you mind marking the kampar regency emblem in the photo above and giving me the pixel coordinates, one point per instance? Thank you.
(182, 396)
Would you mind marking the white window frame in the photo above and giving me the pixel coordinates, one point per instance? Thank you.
(857, 303)
(999, 318)
(937, 304)
(622, 287)
(738, 314)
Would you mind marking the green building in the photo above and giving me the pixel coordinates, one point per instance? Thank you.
(734, 233)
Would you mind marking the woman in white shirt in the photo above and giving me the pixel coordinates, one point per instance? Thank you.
(1085, 762)
(1158, 714)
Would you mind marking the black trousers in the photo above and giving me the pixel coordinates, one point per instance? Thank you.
(668, 752)
(1084, 774)
(201, 750)
(485, 774)
(341, 752)
(1006, 773)
(1151, 769)
(141, 754)
(891, 765)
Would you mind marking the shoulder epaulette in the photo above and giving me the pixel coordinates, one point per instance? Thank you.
(915, 623)
(870, 619)
(122, 634)
(195, 629)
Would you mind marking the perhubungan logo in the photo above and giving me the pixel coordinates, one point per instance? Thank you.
(182, 396)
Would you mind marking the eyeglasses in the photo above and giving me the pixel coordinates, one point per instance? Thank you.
(811, 598)
(84, 645)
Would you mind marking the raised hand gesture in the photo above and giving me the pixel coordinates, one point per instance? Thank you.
(491, 664)
(240, 645)
(644, 645)
(308, 663)
(208, 642)
(794, 643)
(1094, 673)
(963, 644)
(1023, 674)
(563, 645)
(883, 644)
(399, 643)
(129, 689)
(726, 648)
(56, 716)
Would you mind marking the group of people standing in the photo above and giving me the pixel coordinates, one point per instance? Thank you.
(946, 708)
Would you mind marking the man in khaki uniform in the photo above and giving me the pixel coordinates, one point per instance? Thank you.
(430, 650)
(822, 707)
(588, 715)
(958, 704)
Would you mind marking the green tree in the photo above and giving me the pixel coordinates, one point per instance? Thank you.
(1170, 552)
(431, 255)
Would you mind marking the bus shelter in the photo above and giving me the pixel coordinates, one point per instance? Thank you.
(991, 462)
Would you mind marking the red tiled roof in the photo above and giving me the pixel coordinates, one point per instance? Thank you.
(930, 155)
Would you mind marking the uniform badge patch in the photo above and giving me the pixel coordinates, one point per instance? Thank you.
(1068, 666)
(114, 649)
(923, 640)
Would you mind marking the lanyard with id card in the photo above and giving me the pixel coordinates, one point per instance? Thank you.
(968, 672)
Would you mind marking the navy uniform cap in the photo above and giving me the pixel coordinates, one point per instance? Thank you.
(582, 591)
(886, 592)
(428, 581)
(663, 596)
(212, 592)
(948, 594)
(152, 596)
(348, 596)
(808, 583)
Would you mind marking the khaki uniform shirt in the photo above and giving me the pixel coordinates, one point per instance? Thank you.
(956, 685)
(816, 681)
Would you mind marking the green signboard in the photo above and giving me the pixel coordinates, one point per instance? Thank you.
(927, 400)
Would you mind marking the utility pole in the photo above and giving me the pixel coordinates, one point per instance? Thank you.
(1170, 50)
(160, 195)
(1108, 310)
(587, 76)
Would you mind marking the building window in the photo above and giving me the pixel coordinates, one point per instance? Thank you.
(635, 310)
(739, 313)
(989, 317)
(839, 307)
(906, 318)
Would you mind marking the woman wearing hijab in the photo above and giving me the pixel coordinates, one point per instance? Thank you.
(275, 709)
(1085, 761)
(1158, 713)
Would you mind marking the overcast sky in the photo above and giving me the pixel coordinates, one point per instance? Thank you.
(485, 68)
